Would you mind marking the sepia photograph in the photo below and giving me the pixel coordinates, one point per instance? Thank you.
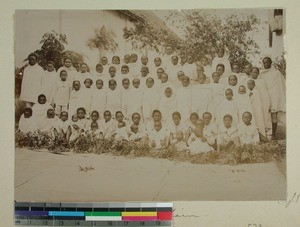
(150, 105)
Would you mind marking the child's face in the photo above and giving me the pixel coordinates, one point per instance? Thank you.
(242, 90)
(32, 60)
(112, 71)
(220, 53)
(169, 50)
(136, 83)
(120, 117)
(83, 68)
(176, 119)
(112, 85)
(68, 63)
(206, 119)
(144, 71)
(115, 60)
(159, 72)
(27, 114)
(80, 114)
(174, 60)
(236, 69)
(250, 85)
(42, 100)
(104, 61)
(180, 76)
(50, 67)
(200, 70)
(216, 77)
(99, 84)
(76, 66)
(75, 118)
(168, 92)
(133, 58)
(94, 116)
(94, 126)
(201, 79)
(136, 119)
(50, 114)
(204, 61)
(125, 84)
(194, 119)
(156, 117)
(164, 78)
(254, 73)
(144, 60)
(248, 69)
(227, 122)
(267, 63)
(185, 82)
(247, 118)
(64, 116)
(127, 58)
(190, 60)
(76, 86)
(232, 80)
(228, 95)
(149, 83)
(157, 62)
(99, 69)
(88, 83)
(124, 70)
(220, 70)
(63, 76)
(107, 116)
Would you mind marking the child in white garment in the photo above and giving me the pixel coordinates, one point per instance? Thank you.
(85, 98)
(62, 128)
(159, 136)
(210, 130)
(247, 132)
(178, 141)
(26, 122)
(74, 96)
(227, 134)
(98, 101)
(167, 105)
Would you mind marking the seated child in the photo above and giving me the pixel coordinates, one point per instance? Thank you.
(26, 122)
(82, 121)
(194, 118)
(95, 132)
(178, 141)
(227, 134)
(137, 131)
(158, 136)
(62, 129)
(49, 122)
(175, 124)
(210, 130)
(75, 130)
(247, 132)
(118, 127)
(196, 145)
(106, 124)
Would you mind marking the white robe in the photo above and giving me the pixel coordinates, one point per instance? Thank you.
(167, 107)
(27, 124)
(248, 133)
(98, 101)
(227, 107)
(72, 73)
(172, 71)
(184, 102)
(218, 95)
(48, 82)
(48, 124)
(73, 102)
(264, 95)
(39, 113)
(208, 71)
(243, 103)
(125, 100)
(276, 86)
(135, 101)
(190, 70)
(210, 132)
(31, 83)
(172, 128)
(82, 76)
(150, 102)
(224, 60)
(158, 136)
(258, 112)
(197, 146)
(225, 135)
(113, 101)
(202, 99)
(85, 99)
(61, 92)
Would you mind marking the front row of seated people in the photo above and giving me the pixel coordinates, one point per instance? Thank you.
(196, 136)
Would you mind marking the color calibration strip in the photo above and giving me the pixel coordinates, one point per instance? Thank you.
(93, 214)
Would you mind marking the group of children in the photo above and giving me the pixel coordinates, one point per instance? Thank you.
(188, 104)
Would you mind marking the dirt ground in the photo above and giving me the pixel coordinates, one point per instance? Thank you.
(47, 177)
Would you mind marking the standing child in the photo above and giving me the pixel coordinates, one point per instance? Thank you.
(61, 93)
(243, 101)
(125, 95)
(150, 100)
(113, 98)
(227, 134)
(228, 106)
(232, 84)
(247, 132)
(184, 96)
(85, 97)
(74, 96)
(98, 101)
(68, 67)
(167, 105)
(217, 91)
(84, 73)
(135, 99)
(49, 78)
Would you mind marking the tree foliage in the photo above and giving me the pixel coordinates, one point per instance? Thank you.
(202, 33)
